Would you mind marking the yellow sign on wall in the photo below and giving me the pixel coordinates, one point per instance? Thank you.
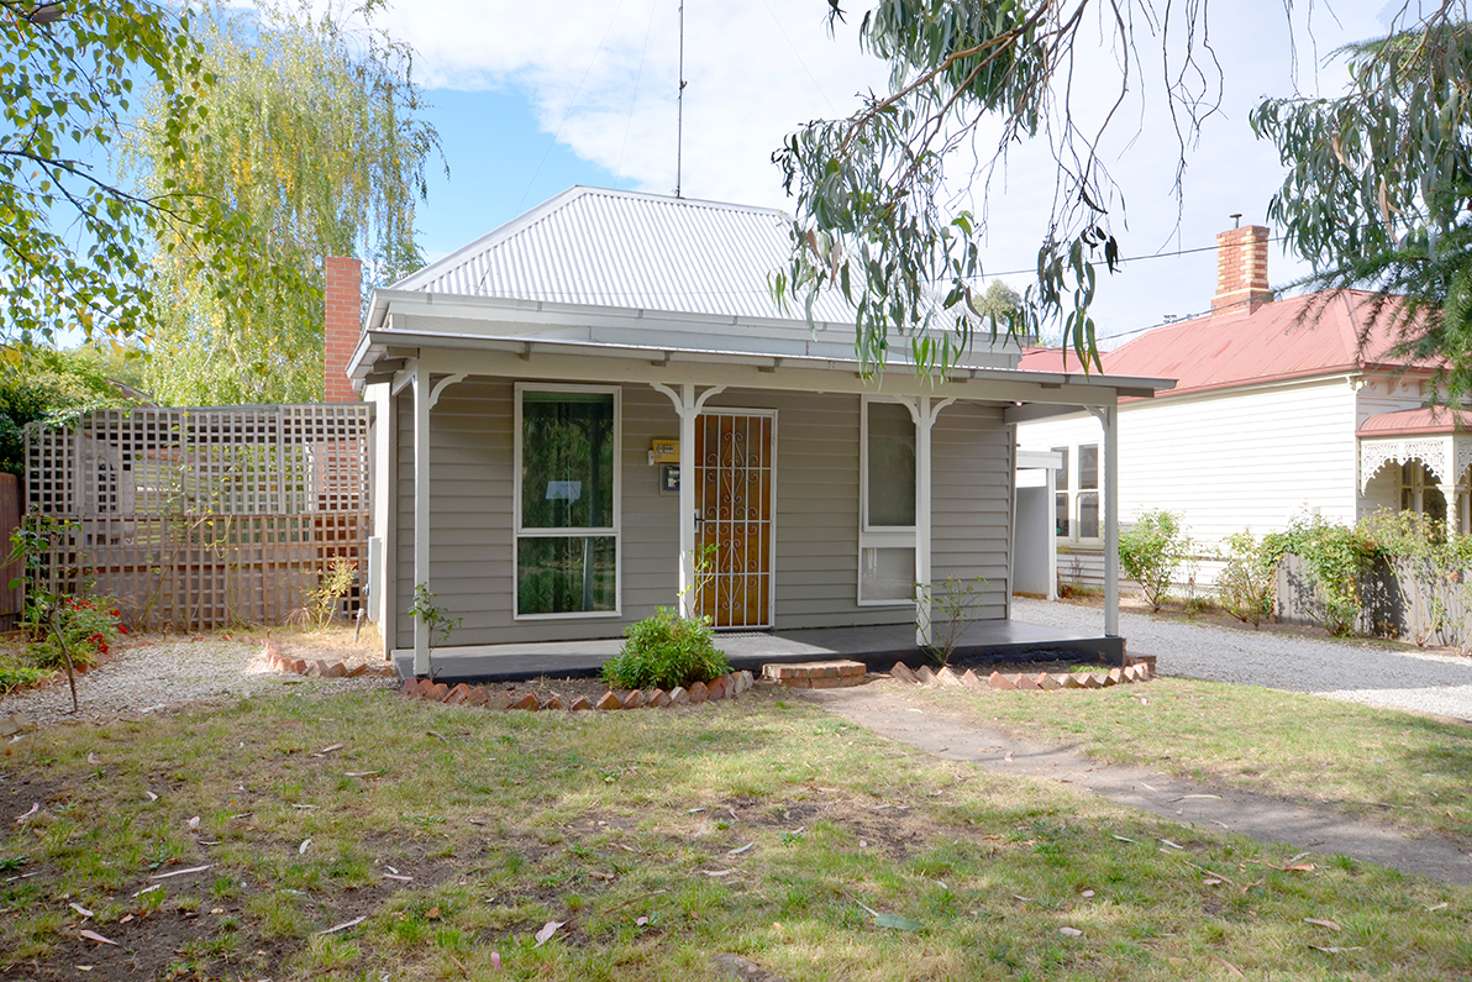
(664, 450)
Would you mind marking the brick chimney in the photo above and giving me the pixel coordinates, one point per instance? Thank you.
(340, 326)
(1241, 270)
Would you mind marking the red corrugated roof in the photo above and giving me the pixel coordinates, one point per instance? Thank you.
(1404, 422)
(1294, 338)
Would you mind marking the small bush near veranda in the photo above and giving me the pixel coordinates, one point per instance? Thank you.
(663, 651)
(1150, 551)
(1246, 584)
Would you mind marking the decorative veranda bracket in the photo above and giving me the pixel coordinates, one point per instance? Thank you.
(1444, 456)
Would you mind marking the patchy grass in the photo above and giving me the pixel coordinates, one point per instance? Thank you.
(632, 829)
(1404, 769)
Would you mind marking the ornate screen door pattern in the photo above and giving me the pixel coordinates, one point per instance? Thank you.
(734, 486)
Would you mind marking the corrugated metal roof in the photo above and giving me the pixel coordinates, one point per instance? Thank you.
(1295, 338)
(629, 249)
(1428, 419)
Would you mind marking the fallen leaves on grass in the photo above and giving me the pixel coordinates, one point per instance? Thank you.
(741, 849)
(94, 936)
(301, 850)
(893, 922)
(330, 748)
(180, 872)
(548, 929)
(80, 909)
(1070, 932)
(1323, 922)
(23, 819)
(344, 925)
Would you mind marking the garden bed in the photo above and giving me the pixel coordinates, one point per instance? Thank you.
(561, 694)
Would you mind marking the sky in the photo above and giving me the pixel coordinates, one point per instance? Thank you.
(530, 98)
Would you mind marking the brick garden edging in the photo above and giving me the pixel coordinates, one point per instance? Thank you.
(1139, 670)
(321, 668)
(463, 694)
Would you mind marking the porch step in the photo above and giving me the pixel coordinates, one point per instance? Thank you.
(815, 674)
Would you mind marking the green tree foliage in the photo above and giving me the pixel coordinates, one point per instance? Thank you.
(874, 219)
(1379, 182)
(313, 134)
(1376, 192)
(43, 384)
(74, 244)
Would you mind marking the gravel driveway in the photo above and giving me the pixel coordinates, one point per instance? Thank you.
(156, 675)
(1377, 676)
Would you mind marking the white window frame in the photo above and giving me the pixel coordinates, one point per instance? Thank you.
(877, 536)
(519, 532)
(1423, 480)
(1075, 490)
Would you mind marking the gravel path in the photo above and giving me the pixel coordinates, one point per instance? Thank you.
(1376, 676)
(165, 674)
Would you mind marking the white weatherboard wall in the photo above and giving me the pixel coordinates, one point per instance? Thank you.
(1246, 459)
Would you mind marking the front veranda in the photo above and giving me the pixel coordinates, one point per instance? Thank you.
(723, 552)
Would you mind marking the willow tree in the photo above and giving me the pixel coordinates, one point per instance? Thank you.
(313, 135)
(971, 79)
(1378, 189)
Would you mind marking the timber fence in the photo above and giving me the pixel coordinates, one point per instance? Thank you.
(201, 518)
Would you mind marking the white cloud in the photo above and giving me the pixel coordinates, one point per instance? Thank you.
(601, 76)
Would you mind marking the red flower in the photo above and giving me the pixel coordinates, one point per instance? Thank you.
(102, 647)
(122, 629)
(116, 613)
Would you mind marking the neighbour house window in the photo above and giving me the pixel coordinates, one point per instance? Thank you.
(1419, 493)
(1062, 527)
(567, 501)
(1076, 503)
(887, 504)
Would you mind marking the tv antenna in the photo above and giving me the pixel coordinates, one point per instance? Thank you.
(680, 107)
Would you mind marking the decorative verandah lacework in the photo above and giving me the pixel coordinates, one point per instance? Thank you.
(197, 518)
(1445, 456)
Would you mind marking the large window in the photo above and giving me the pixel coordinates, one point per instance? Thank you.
(567, 501)
(1076, 503)
(886, 504)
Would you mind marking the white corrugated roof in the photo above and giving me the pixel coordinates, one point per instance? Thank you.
(634, 250)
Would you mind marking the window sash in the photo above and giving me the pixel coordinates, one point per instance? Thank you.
(873, 473)
(523, 533)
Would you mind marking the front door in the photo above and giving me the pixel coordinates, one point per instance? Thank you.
(735, 490)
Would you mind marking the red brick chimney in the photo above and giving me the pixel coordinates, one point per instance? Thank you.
(340, 326)
(1241, 270)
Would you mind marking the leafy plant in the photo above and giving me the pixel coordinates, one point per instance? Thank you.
(65, 630)
(1150, 552)
(324, 599)
(1246, 586)
(948, 603)
(666, 650)
(15, 674)
(436, 619)
(1336, 557)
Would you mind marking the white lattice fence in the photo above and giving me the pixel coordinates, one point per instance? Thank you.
(198, 518)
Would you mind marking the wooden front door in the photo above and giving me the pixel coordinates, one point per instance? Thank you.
(735, 489)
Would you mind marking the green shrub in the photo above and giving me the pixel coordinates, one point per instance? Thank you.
(1151, 550)
(663, 651)
(15, 674)
(1246, 586)
(1336, 556)
(87, 626)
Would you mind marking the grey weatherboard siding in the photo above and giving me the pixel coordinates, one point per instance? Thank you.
(817, 516)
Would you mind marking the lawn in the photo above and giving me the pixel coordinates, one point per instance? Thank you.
(1401, 768)
(762, 829)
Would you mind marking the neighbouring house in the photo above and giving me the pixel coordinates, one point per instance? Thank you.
(598, 409)
(1281, 409)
